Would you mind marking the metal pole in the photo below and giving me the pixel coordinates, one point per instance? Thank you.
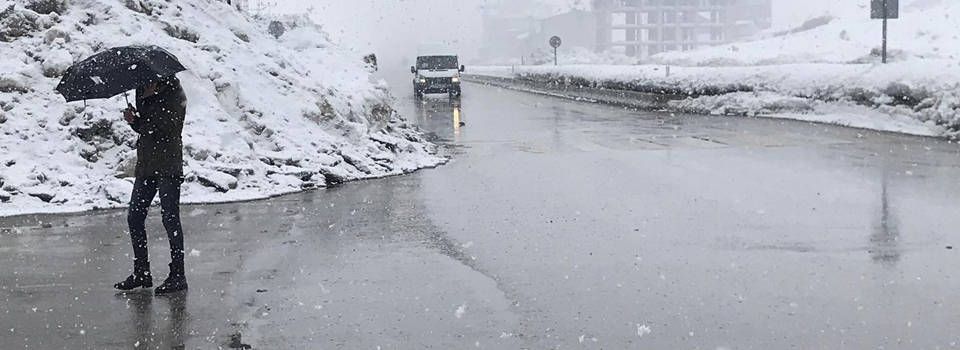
(885, 15)
(554, 56)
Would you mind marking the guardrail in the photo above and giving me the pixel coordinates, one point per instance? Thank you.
(639, 100)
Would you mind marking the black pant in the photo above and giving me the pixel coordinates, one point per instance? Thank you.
(144, 190)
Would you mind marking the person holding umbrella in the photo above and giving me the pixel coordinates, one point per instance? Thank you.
(158, 118)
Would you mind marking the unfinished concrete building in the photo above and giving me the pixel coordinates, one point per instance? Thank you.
(647, 27)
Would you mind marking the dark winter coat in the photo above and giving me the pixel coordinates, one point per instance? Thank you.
(160, 125)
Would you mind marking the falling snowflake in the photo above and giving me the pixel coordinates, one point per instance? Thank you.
(643, 329)
(461, 310)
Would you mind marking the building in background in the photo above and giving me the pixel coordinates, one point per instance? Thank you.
(577, 28)
(511, 26)
(642, 28)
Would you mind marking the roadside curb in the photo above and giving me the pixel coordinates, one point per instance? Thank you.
(639, 100)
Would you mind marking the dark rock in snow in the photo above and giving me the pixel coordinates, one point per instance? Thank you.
(233, 171)
(303, 175)
(332, 179)
(8, 11)
(18, 22)
(182, 33)
(46, 197)
(4, 197)
(139, 7)
(9, 84)
(46, 7)
(210, 48)
(217, 180)
(242, 36)
(277, 161)
(101, 128)
(116, 196)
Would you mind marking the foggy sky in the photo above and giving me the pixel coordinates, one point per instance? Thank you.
(394, 28)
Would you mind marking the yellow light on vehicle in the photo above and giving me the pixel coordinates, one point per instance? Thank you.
(456, 79)
(423, 80)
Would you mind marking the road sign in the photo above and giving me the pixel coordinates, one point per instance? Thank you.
(892, 9)
(555, 42)
(885, 9)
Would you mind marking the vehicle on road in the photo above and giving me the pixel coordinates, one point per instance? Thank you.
(437, 74)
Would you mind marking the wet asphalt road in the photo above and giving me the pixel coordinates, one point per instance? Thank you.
(556, 225)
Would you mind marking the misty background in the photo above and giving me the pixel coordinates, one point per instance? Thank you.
(394, 29)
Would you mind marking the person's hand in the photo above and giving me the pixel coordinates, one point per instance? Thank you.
(129, 115)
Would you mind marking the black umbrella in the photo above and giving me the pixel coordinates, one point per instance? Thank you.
(117, 70)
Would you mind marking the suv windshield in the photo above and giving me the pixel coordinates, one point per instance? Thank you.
(437, 62)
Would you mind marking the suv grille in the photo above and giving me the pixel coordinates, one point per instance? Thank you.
(438, 81)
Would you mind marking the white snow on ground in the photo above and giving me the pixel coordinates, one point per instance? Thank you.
(826, 70)
(926, 29)
(265, 116)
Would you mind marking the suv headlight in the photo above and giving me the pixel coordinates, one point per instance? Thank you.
(423, 79)
(455, 79)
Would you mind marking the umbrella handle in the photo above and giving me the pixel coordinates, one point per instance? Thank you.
(129, 106)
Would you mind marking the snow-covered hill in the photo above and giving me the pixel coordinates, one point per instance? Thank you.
(265, 116)
(927, 29)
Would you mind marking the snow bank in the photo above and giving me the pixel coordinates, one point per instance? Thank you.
(896, 97)
(265, 116)
(927, 29)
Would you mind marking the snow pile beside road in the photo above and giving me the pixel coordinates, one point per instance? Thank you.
(927, 29)
(896, 97)
(265, 116)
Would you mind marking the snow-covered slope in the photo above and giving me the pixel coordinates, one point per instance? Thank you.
(927, 29)
(265, 116)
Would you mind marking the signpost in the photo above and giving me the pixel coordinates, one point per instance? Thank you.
(885, 9)
(555, 43)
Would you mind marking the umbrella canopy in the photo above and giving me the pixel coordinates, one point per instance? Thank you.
(117, 70)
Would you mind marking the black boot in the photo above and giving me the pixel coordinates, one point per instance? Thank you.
(176, 282)
(140, 278)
